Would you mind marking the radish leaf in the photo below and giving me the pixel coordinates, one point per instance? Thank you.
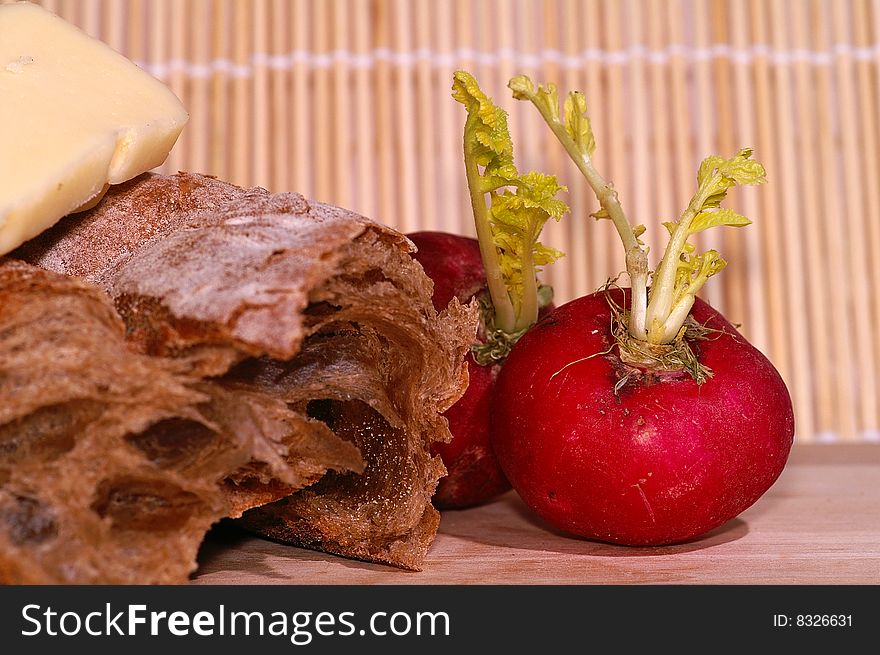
(577, 122)
(517, 221)
(519, 206)
(682, 274)
(715, 218)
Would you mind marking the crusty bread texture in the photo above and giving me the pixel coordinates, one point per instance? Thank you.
(306, 304)
(114, 464)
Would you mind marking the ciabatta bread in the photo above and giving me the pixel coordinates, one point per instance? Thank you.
(308, 304)
(114, 464)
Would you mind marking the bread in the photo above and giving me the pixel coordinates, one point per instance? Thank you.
(302, 302)
(114, 464)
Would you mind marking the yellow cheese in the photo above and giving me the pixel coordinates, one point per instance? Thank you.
(74, 116)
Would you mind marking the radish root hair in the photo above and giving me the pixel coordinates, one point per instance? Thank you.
(659, 358)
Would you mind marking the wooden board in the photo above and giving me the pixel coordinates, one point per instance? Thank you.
(820, 523)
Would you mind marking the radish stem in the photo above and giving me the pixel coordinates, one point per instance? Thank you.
(505, 318)
(508, 226)
(528, 314)
(657, 316)
(546, 102)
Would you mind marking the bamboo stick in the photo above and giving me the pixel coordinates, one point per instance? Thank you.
(448, 137)
(334, 97)
(178, 79)
(465, 44)
(684, 158)
(509, 38)
(705, 124)
(198, 104)
(604, 260)
(259, 133)
(809, 217)
(221, 123)
(576, 265)
(242, 166)
(365, 143)
(343, 174)
(481, 14)
(616, 125)
(643, 186)
(852, 206)
(158, 42)
(870, 151)
(131, 23)
(386, 129)
(300, 21)
(508, 66)
(320, 98)
(552, 158)
(755, 319)
(51, 5)
(833, 233)
(281, 116)
(790, 222)
(529, 132)
(113, 25)
(662, 162)
(407, 164)
(779, 351)
(425, 136)
(135, 36)
(71, 10)
(731, 241)
(90, 18)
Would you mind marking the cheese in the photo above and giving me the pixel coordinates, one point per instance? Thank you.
(74, 116)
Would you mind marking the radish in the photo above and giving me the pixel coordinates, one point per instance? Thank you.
(498, 270)
(641, 416)
(455, 265)
(473, 475)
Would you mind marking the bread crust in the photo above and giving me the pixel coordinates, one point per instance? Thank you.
(114, 464)
(308, 304)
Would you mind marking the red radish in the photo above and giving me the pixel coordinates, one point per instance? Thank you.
(473, 475)
(453, 263)
(613, 452)
(499, 269)
(642, 417)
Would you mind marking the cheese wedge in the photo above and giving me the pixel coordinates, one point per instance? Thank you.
(74, 116)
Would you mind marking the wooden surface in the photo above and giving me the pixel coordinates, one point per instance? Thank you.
(820, 523)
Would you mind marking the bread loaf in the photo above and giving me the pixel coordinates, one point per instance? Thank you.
(301, 302)
(114, 464)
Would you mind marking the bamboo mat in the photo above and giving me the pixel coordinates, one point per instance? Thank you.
(348, 101)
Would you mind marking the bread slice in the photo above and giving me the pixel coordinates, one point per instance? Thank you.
(308, 304)
(113, 464)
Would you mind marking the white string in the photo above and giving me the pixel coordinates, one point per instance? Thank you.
(313, 60)
(872, 436)
(865, 436)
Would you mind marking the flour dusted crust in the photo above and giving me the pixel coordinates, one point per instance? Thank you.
(308, 304)
(114, 464)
